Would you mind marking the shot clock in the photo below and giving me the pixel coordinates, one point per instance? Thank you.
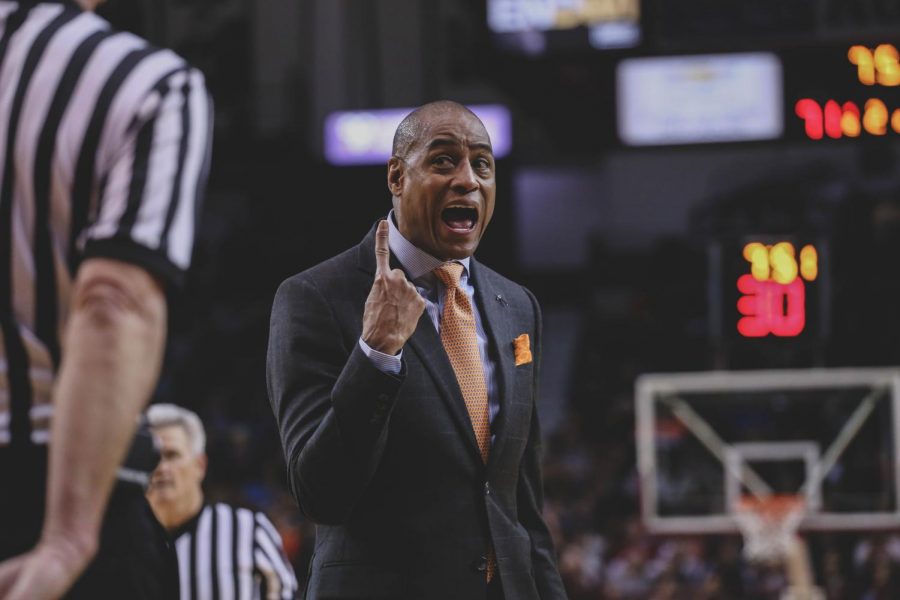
(770, 291)
(773, 293)
(876, 68)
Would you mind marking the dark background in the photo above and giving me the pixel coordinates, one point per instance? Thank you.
(622, 268)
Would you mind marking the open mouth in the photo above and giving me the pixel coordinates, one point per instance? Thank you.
(460, 218)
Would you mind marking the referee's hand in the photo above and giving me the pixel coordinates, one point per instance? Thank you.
(45, 573)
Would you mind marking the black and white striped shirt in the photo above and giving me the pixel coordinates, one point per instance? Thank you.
(104, 152)
(228, 553)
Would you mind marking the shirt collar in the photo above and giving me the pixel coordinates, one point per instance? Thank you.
(416, 262)
(188, 525)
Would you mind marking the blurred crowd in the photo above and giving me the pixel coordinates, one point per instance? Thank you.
(592, 510)
(645, 312)
(642, 311)
(606, 554)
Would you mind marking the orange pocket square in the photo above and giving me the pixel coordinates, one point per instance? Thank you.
(522, 347)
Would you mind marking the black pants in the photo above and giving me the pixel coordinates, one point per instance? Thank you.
(135, 560)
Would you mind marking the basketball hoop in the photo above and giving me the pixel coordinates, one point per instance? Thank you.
(769, 525)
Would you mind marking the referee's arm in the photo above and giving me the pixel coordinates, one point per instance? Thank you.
(112, 354)
(113, 347)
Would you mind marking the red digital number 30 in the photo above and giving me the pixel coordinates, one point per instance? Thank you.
(771, 307)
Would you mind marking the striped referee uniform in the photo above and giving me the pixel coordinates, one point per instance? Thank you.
(104, 152)
(228, 553)
(104, 147)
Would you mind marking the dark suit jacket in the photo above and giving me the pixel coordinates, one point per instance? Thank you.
(387, 466)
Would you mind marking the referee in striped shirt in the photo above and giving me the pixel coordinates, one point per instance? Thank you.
(224, 552)
(104, 152)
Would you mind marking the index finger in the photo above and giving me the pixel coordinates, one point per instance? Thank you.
(382, 249)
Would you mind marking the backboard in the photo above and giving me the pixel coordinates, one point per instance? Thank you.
(829, 435)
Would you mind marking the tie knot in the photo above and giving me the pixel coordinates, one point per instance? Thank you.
(449, 274)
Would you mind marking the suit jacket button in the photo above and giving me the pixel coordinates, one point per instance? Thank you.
(487, 488)
(480, 564)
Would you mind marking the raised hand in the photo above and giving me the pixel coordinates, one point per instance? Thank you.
(394, 306)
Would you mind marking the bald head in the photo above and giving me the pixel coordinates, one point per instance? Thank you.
(411, 127)
(442, 161)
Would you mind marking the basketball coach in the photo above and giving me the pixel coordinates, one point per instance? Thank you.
(403, 376)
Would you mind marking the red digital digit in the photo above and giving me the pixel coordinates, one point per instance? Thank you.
(787, 307)
(771, 307)
(811, 113)
(833, 114)
(752, 306)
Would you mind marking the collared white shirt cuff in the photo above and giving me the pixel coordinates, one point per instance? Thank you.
(386, 363)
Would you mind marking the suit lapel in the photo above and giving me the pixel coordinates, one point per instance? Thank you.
(426, 343)
(497, 320)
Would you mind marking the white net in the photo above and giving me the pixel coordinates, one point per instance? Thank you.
(768, 525)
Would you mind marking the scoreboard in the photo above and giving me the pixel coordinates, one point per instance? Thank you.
(825, 117)
(545, 15)
(542, 25)
(773, 293)
(818, 93)
(770, 292)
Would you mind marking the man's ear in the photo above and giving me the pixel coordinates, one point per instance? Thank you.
(395, 174)
(202, 464)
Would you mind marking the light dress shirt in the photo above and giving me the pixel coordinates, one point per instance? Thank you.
(419, 267)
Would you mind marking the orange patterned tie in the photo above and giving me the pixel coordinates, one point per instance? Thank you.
(460, 340)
